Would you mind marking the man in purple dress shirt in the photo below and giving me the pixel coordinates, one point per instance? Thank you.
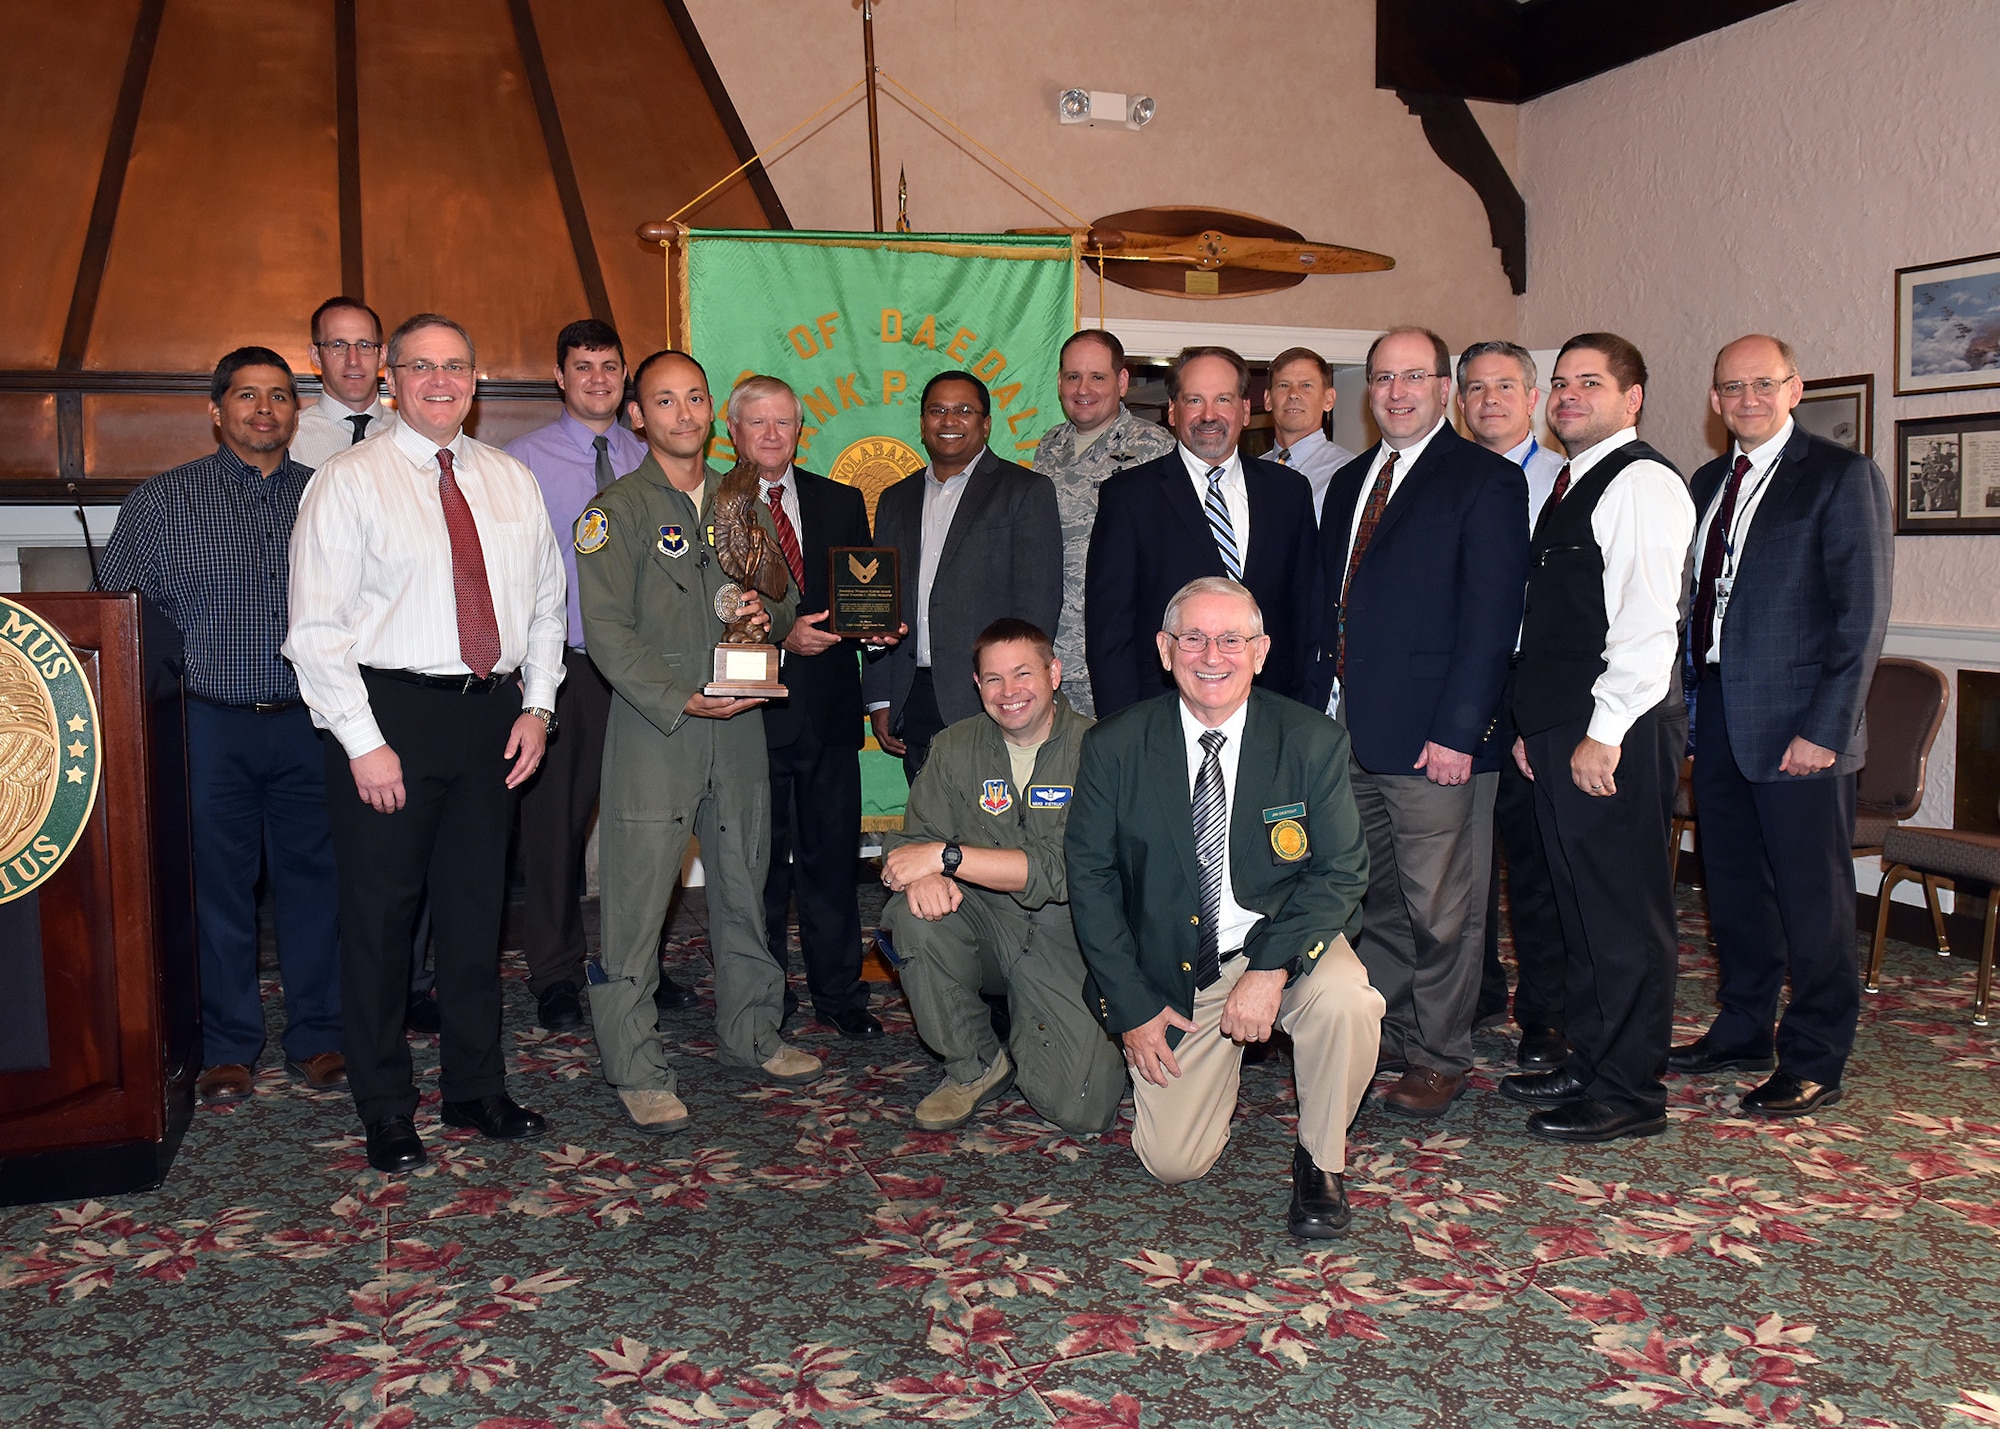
(573, 458)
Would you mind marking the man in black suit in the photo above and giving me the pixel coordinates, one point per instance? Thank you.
(814, 737)
(1791, 597)
(1424, 553)
(978, 539)
(1201, 510)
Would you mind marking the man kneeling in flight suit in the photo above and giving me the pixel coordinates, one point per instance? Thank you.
(982, 904)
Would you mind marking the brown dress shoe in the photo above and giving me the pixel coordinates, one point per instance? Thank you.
(1424, 1092)
(222, 1084)
(324, 1072)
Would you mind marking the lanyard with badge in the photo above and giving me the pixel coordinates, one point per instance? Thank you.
(1725, 581)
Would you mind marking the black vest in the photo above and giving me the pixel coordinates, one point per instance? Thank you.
(1564, 623)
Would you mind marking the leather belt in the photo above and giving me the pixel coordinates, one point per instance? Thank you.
(271, 708)
(467, 684)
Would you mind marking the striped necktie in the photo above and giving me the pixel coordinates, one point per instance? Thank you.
(1211, 828)
(1219, 525)
(788, 537)
(1282, 456)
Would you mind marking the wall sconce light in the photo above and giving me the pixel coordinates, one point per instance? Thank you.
(1101, 108)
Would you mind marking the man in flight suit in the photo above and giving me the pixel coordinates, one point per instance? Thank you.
(676, 761)
(982, 902)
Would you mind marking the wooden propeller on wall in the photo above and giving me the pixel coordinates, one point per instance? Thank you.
(1210, 252)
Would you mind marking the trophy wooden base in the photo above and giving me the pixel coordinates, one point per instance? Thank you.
(746, 672)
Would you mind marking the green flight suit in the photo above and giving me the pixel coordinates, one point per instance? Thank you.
(646, 579)
(1022, 943)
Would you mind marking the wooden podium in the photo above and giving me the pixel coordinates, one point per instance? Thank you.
(98, 1065)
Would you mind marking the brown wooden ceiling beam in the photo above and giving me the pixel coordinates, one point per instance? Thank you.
(1508, 53)
(1457, 139)
(588, 268)
(725, 110)
(347, 148)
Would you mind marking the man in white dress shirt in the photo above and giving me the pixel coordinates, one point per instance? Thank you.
(1597, 699)
(427, 632)
(1498, 388)
(1300, 398)
(347, 355)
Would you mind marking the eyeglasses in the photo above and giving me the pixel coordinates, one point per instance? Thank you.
(424, 367)
(1385, 380)
(938, 412)
(1762, 386)
(1193, 642)
(340, 346)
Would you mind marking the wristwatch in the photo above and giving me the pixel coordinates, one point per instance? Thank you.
(547, 717)
(952, 856)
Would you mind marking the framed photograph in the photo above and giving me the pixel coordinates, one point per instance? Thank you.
(1842, 410)
(1948, 325)
(1948, 475)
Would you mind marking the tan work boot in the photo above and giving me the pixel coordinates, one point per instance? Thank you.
(654, 1110)
(788, 1064)
(953, 1103)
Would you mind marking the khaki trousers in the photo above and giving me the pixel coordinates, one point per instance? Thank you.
(1335, 1021)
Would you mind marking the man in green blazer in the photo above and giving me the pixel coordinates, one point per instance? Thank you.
(1216, 867)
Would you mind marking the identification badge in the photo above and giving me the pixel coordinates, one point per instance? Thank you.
(1284, 811)
(1288, 841)
(995, 797)
(673, 542)
(1048, 796)
(592, 531)
(1723, 585)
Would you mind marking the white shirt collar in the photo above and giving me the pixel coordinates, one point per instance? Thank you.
(1520, 454)
(1583, 461)
(1413, 453)
(1199, 468)
(1765, 455)
(333, 409)
(784, 481)
(1192, 729)
(420, 449)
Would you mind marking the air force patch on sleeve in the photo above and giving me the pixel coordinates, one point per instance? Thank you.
(673, 541)
(592, 531)
(995, 797)
(1048, 796)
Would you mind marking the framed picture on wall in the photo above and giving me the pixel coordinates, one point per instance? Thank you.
(1948, 475)
(1842, 410)
(1948, 325)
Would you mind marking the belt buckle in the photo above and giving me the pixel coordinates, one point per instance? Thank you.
(470, 680)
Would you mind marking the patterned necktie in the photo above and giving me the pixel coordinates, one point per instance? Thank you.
(605, 476)
(1219, 525)
(1555, 499)
(1282, 456)
(788, 538)
(1702, 626)
(1211, 829)
(359, 421)
(1371, 517)
(478, 629)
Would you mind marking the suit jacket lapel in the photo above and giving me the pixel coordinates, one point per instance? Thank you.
(980, 492)
(1783, 483)
(1172, 803)
(1254, 763)
(1341, 496)
(1436, 453)
(1178, 491)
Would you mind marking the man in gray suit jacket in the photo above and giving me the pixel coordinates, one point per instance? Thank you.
(1790, 601)
(978, 540)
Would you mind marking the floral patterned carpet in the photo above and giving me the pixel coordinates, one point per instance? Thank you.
(805, 1257)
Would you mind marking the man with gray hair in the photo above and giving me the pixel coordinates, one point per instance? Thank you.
(427, 633)
(1497, 392)
(1300, 399)
(1216, 865)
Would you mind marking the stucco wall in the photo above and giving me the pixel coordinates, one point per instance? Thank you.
(1772, 177)
(1274, 114)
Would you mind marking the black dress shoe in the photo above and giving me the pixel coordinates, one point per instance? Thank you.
(1787, 1095)
(1542, 1049)
(1543, 1089)
(670, 996)
(422, 1016)
(393, 1145)
(1319, 1200)
(856, 1024)
(1588, 1120)
(1701, 1056)
(497, 1116)
(558, 1008)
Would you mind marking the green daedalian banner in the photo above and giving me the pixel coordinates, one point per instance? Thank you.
(858, 322)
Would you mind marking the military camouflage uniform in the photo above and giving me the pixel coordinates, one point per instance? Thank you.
(1127, 442)
(1018, 943)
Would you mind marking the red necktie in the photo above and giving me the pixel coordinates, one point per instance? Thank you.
(478, 629)
(1562, 485)
(1371, 517)
(788, 538)
(1711, 566)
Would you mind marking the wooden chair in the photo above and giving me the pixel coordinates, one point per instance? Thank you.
(1937, 856)
(1905, 711)
(1685, 818)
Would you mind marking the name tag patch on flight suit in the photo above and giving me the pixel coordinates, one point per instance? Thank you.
(1288, 833)
(1048, 796)
(672, 541)
(592, 531)
(995, 797)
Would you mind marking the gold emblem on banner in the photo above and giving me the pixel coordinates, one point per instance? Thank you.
(874, 464)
